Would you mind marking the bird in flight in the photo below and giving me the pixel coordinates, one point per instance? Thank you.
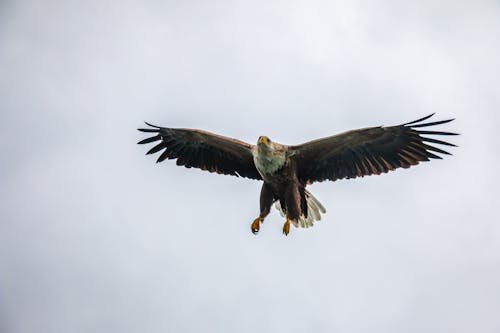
(287, 170)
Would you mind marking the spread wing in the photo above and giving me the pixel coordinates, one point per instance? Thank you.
(203, 150)
(368, 151)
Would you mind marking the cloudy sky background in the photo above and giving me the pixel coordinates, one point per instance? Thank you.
(96, 237)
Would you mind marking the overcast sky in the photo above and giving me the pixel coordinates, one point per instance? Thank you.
(96, 237)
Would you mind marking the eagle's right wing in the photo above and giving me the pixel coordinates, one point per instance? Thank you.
(367, 151)
(204, 150)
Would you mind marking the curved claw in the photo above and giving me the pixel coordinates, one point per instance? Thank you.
(286, 228)
(255, 227)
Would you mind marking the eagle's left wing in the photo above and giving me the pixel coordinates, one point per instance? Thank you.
(367, 151)
(204, 150)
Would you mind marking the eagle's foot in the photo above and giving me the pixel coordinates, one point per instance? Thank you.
(256, 225)
(286, 227)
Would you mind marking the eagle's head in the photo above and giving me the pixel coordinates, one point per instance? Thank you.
(263, 141)
(268, 156)
(264, 144)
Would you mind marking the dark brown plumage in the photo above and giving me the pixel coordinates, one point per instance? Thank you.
(287, 170)
(203, 150)
(368, 151)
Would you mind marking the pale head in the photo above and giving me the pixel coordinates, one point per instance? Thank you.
(263, 141)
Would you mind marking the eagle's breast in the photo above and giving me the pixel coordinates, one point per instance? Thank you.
(268, 160)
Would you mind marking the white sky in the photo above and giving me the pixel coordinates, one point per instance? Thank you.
(96, 237)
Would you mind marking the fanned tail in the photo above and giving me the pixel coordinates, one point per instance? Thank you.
(314, 211)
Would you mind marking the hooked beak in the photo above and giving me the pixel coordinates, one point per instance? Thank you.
(263, 139)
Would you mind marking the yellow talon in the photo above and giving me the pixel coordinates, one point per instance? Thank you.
(256, 225)
(286, 227)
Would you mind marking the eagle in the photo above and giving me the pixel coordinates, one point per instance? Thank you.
(286, 170)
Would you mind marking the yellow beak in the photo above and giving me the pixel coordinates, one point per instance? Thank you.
(263, 139)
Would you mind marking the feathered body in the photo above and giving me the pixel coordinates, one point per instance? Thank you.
(281, 185)
(287, 170)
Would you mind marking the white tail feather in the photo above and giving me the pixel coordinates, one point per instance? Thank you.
(314, 211)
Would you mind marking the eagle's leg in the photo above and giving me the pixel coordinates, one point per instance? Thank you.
(293, 205)
(286, 227)
(266, 201)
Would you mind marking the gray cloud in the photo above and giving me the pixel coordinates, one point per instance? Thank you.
(96, 237)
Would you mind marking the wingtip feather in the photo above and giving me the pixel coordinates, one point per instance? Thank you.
(433, 123)
(152, 125)
(419, 120)
(148, 130)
